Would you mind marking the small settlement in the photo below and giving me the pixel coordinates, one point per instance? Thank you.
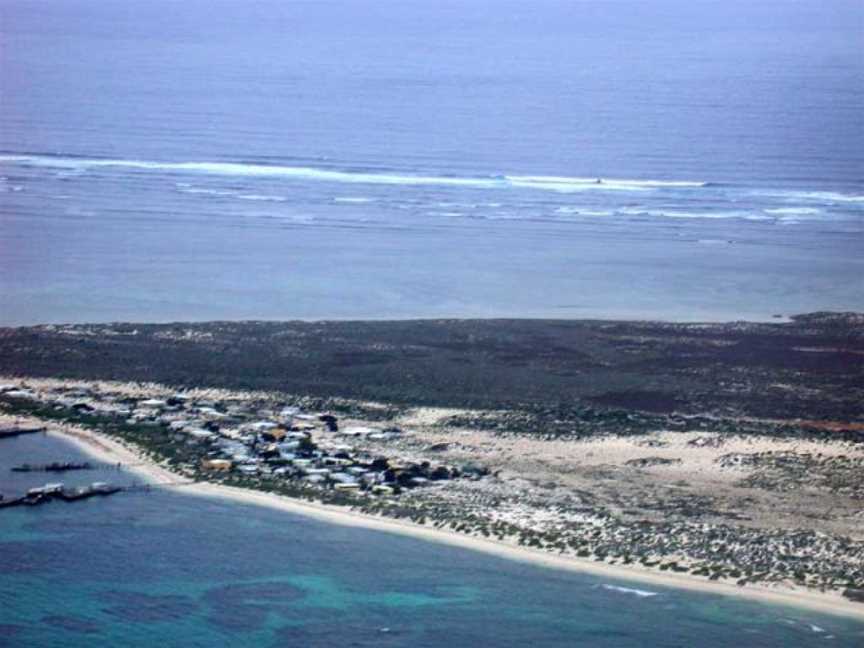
(276, 442)
(717, 504)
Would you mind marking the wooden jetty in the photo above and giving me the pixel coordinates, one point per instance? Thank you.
(55, 466)
(52, 492)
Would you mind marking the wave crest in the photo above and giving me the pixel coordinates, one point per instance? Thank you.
(630, 590)
(236, 169)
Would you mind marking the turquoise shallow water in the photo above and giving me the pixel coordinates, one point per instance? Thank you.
(171, 570)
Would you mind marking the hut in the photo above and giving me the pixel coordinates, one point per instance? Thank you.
(274, 434)
(216, 464)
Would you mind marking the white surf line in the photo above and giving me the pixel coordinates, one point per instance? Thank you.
(234, 169)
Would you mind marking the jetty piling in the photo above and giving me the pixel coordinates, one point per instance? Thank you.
(52, 492)
(56, 466)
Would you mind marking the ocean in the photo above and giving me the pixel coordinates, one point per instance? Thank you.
(165, 161)
(161, 568)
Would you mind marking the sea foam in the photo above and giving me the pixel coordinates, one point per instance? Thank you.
(819, 196)
(567, 184)
(352, 199)
(673, 213)
(235, 169)
(794, 211)
(184, 187)
(630, 590)
(601, 181)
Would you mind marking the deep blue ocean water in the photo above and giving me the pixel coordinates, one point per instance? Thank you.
(163, 569)
(388, 159)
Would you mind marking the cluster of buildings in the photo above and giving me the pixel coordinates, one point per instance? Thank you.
(312, 448)
(256, 439)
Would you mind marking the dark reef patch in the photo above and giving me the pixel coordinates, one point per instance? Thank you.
(247, 606)
(10, 630)
(147, 608)
(71, 623)
(29, 557)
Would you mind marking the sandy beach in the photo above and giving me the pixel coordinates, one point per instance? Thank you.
(106, 449)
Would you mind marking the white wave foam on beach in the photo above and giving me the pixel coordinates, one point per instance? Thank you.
(811, 626)
(234, 169)
(629, 590)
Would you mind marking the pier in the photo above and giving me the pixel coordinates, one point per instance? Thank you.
(52, 492)
(57, 466)
(63, 466)
(58, 491)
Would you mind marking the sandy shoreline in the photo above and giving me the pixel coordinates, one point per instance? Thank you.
(109, 450)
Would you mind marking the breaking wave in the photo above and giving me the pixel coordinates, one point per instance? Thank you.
(565, 184)
(353, 199)
(235, 169)
(819, 196)
(630, 590)
(261, 197)
(579, 211)
(672, 213)
(794, 211)
(204, 192)
(183, 187)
